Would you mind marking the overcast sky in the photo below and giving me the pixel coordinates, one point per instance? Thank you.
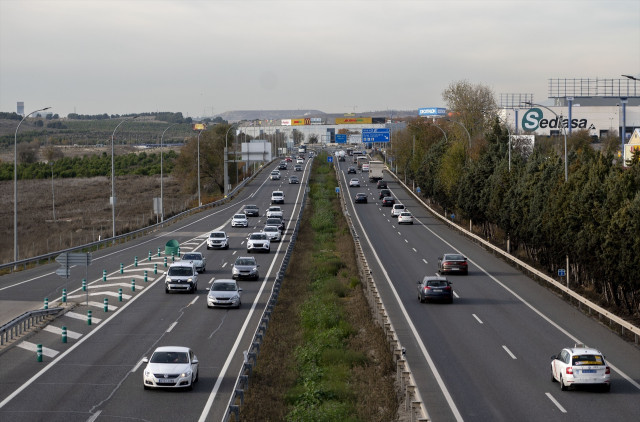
(207, 57)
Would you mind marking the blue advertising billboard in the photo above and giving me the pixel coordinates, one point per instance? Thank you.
(432, 111)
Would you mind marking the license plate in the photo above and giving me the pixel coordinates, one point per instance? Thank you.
(588, 371)
(166, 381)
(437, 290)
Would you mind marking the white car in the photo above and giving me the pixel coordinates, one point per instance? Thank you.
(354, 183)
(580, 365)
(277, 197)
(224, 293)
(405, 217)
(239, 220)
(273, 233)
(170, 367)
(258, 242)
(300, 160)
(181, 276)
(272, 210)
(197, 259)
(218, 240)
(396, 210)
(275, 175)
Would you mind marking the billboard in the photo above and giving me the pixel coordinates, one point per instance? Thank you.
(353, 120)
(432, 111)
(297, 122)
(199, 126)
(285, 122)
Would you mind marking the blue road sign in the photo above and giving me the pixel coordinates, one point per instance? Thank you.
(561, 272)
(432, 111)
(375, 135)
(337, 189)
(329, 159)
(341, 138)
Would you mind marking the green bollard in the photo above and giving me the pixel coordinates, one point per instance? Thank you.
(46, 303)
(178, 250)
(135, 261)
(155, 268)
(64, 334)
(121, 268)
(145, 276)
(84, 284)
(39, 352)
(106, 304)
(133, 285)
(149, 255)
(89, 317)
(64, 295)
(173, 257)
(165, 261)
(104, 275)
(158, 252)
(119, 295)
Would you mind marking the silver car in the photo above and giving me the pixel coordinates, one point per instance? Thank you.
(258, 242)
(170, 367)
(224, 293)
(218, 240)
(245, 267)
(273, 233)
(239, 220)
(197, 259)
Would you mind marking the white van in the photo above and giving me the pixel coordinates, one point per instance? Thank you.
(277, 197)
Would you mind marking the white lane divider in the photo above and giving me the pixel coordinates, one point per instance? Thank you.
(171, 326)
(554, 401)
(509, 352)
(58, 331)
(415, 250)
(478, 319)
(81, 317)
(100, 305)
(32, 347)
(424, 260)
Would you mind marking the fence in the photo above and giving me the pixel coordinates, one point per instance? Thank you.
(25, 322)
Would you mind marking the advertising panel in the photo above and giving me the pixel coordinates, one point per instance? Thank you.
(285, 122)
(297, 122)
(432, 111)
(199, 126)
(353, 120)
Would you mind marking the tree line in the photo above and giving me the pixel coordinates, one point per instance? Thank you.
(593, 218)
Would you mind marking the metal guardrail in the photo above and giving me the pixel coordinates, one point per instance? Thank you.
(251, 355)
(13, 266)
(25, 322)
(624, 325)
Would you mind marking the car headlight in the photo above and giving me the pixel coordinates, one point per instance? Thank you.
(185, 374)
(234, 298)
(168, 280)
(235, 270)
(147, 373)
(254, 269)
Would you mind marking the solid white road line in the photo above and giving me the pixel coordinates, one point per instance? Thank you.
(171, 326)
(509, 352)
(478, 319)
(562, 409)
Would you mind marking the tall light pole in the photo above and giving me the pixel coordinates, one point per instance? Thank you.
(161, 174)
(564, 132)
(226, 162)
(199, 201)
(15, 185)
(113, 183)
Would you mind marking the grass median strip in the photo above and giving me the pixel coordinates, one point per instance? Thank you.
(323, 357)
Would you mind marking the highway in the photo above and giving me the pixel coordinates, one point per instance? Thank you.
(486, 357)
(97, 374)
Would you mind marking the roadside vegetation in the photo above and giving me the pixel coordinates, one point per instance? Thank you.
(323, 358)
(593, 218)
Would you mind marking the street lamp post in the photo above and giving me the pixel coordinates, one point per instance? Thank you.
(161, 174)
(113, 184)
(199, 201)
(15, 185)
(226, 162)
(564, 132)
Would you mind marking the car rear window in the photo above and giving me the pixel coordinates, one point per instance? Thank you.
(437, 283)
(454, 257)
(586, 359)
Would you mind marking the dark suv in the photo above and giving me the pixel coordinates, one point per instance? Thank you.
(384, 192)
(381, 184)
(251, 211)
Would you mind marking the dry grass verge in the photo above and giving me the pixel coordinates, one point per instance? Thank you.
(323, 357)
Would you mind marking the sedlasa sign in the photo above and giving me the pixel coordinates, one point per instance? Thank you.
(533, 120)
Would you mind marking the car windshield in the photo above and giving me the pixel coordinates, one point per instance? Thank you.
(239, 216)
(169, 357)
(223, 287)
(398, 207)
(437, 283)
(586, 359)
(271, 229)
(217, 235)
(277, 194)
(405, 214)
(275, 209)
(257, 236)
(245, 261)
(273, 221)
(251, 207)
(191, 256)
(453, 257)
(180, 271)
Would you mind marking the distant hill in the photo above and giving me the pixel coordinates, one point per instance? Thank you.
(238, 115)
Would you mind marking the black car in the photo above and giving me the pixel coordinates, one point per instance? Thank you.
(435, 288)
(275, 221)
(453, 263)
(388, 201)
(381, 184)
(384, 192)
(282, 166)
(351, 170)
(360, 198)
(251, 211)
